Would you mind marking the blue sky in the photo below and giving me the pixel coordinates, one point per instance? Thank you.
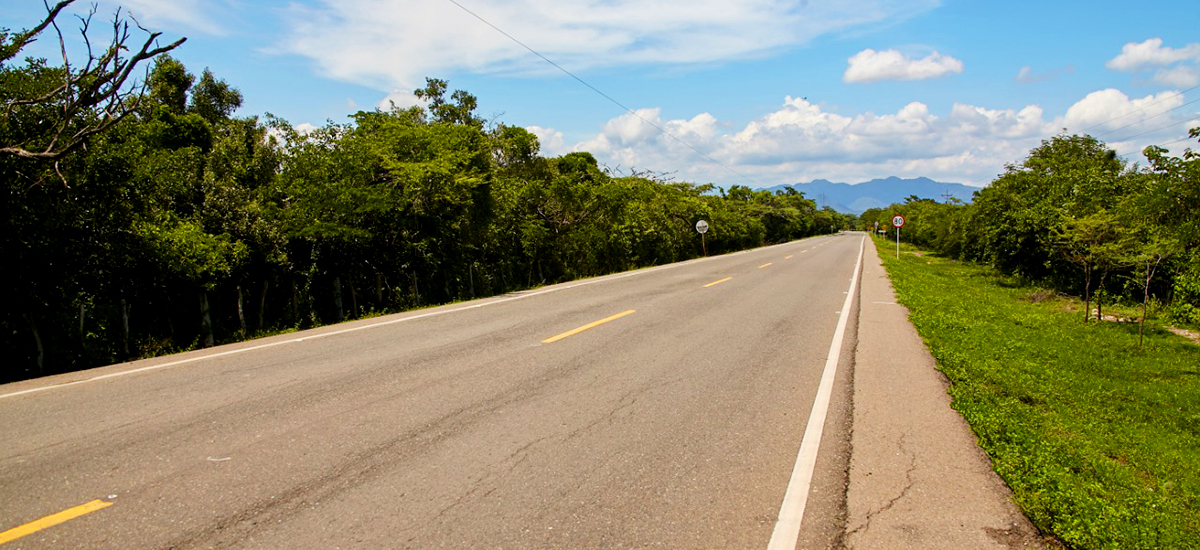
(776, 91)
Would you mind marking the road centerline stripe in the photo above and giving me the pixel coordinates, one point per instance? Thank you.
(791, 512)
(715, 283)
(590, 325)
(765, 265)
(52, 520)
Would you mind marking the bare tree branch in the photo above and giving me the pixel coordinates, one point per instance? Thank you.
(89, 100)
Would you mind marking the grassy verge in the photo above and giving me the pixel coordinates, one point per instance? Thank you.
(1098, 437)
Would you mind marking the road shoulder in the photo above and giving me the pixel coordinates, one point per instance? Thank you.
(918, 479)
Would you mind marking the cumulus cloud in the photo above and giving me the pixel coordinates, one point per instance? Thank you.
(871, 66)
(1151, 53)
(401, 99)
(1130, 124)
(550, 140)
(392, 44)
(1181, 76)
(801, 141)
(1171, 66)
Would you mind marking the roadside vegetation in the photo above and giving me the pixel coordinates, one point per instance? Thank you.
(1076, 218)
(1097, 433)
(143, 217)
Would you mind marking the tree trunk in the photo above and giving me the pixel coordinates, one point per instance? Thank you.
(379, 289)
(1087, 294)
(82, 341)
(353, 301)
(262, 304)
(125, 327)
(241, 311)
(416, 291)
(1150, 269)
(337, 297)
(37, 341)
(295, 303)
(206, 326)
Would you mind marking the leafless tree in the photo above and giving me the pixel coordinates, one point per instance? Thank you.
(86, 101)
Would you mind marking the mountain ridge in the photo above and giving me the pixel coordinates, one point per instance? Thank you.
(855, 198)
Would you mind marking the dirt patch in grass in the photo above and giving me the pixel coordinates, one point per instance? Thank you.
(1039, 296)
(1189, 334)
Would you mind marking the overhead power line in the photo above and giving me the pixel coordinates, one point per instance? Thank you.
(1119, 117)
(1177, 123)
(1185, 138)
(604, 95)
(1149, 118)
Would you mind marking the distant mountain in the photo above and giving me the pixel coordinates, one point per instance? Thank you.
(854, 198)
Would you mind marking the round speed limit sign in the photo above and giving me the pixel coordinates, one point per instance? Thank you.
(898, 221)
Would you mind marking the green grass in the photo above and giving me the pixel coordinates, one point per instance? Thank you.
(1098, 437)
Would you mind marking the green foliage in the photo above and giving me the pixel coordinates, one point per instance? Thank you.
(1099, 446)
(1074, 217)
(196, 227)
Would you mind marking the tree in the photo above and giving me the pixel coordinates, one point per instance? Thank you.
(461, 110)
(49, 117)
(1091, 242)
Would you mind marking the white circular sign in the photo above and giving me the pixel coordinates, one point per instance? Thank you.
(702, 226)
(898, 221)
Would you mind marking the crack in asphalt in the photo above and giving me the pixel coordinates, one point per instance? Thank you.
(908, 485)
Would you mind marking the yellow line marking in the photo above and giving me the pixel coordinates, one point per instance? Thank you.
(764, 265)
(714, 283)
(52, 520)
(788, 257)
(593, 324)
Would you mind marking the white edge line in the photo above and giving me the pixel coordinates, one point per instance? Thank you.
(791, 512)
(384, 323)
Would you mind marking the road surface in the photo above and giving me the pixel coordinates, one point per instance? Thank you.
(658, 408)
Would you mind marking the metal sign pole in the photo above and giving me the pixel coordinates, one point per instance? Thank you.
(898, 222)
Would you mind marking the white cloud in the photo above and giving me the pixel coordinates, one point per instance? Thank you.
(801, 141)
(1172, 66)
(871, 66)
(1181, 76)
(1134, 57)
(401, 99)
(201, 15)
(550, 140)
(392, 44)
(1111, 110)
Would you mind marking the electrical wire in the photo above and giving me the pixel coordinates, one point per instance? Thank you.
(1185, 138)
(604, 95)
(1090, 128)
(1176, 123)
(1148, 118)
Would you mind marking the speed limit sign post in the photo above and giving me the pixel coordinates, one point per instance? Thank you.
(702, 228)
(898, 222)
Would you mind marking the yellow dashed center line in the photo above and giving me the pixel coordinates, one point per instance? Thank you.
(52, 520)
(714, 283)
(593, 324)
(788, 257)
(764, 265)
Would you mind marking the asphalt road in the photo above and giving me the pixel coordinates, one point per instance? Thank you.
(674, 424)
